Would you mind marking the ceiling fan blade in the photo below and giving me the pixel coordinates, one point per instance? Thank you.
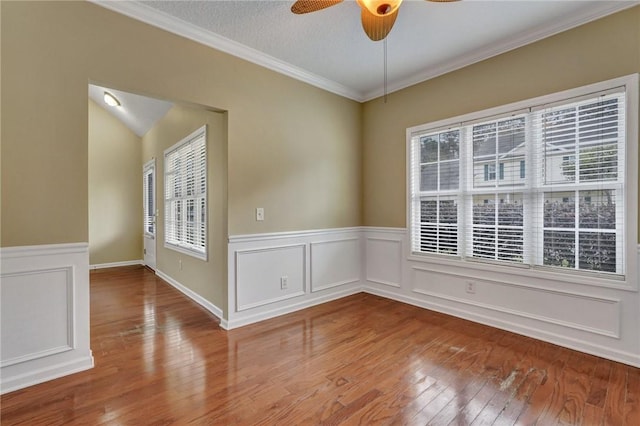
(306, 6)
(377, 27)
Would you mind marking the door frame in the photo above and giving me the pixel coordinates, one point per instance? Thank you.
(149, 237)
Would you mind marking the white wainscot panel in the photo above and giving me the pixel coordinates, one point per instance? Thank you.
(384, 261)
(260, 274)
(37, 315)
(583, 312)
(334, 263)
(44, 314)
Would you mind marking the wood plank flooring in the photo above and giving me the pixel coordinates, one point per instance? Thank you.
(161, 359)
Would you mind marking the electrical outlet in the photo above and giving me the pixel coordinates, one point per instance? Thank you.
(471, 287)
(284, 282)
(180, 263)
(259, 213)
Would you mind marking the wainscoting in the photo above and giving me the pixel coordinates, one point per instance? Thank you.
(600, 320)
(274, 274)
(323, 265)
(45, 295)
(44, 314)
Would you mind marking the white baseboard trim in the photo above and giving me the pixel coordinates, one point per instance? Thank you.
(217, 312)
(317, 266)
(568, 342)
(241, 320)
(116, 264)
(45, 374)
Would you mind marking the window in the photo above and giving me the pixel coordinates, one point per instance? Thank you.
(185, 195)
(148, 198)
(569, 213)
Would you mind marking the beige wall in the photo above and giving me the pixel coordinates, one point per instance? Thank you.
(594, 52)
(115, 189)
(206, 278)
(293, 149)
(305, 155)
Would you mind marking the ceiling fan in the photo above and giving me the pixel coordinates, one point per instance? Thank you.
(378, 16)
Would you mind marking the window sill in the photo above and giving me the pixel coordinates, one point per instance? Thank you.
(468, 268)
(197, 255)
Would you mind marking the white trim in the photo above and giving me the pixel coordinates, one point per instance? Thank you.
(187, 30)
(43, 250)
(315, 288)
(149, 166)
(615, 339)
(397, 242)
(196, 137)
(71, 328)
(336, 281)
(615, 333)
(33, 361)
(262, 315)
(263, 302)
(217, 312)
(116, 264)
(567, 342)
(553, 28)
(627, 84)
(246, 238)
(41, 375)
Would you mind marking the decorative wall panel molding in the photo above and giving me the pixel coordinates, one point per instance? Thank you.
(269, 275)
(274, 274)
(44, 314)
(384, 261)
(596, 319)
(335, 262)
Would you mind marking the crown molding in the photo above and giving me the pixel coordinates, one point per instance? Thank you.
(182, 28)
(552, 28)
(177, 26)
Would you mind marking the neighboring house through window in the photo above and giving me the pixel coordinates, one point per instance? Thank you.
(567, 213)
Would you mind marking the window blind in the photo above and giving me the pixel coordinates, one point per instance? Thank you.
(540, 187)
(149, 208)
(185, 195)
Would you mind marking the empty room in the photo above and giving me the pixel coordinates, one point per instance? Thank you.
(319, 212)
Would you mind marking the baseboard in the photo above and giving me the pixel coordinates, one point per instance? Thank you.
(52, 280)
(45, 374)
(251, 318)
(568, 342)
(278, 273)
(116, 264)
(217, 312)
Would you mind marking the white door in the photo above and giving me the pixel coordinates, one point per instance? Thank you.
(149, 220)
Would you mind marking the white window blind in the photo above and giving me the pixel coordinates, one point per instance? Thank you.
(148, 189)
(185, 195)
(581, 153)
(541, 186)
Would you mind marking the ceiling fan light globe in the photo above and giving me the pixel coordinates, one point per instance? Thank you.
(380, 7)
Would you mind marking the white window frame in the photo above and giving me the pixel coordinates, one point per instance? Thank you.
(181, 244)
(149, 219)
(629, 216)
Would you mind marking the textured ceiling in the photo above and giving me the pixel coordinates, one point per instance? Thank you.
(329, 49)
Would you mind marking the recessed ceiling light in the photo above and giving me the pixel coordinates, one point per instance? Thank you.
(111, 100)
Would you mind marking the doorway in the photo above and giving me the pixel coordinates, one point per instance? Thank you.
(150, 213)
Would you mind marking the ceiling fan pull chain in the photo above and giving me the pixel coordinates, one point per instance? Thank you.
(385, 70)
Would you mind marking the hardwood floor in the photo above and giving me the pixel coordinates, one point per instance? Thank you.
(161, 359)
